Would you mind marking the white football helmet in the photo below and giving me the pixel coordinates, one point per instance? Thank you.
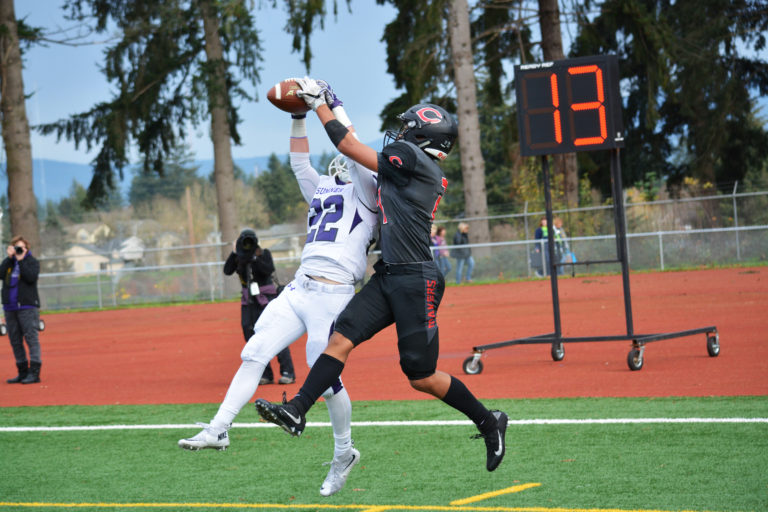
(338, 168)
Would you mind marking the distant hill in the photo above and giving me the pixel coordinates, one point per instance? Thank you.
(52, 179)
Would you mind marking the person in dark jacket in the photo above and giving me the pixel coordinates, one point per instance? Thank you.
(21, 304)
(463, 255)
(254, 267)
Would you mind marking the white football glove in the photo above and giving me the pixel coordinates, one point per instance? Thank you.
(311, 92)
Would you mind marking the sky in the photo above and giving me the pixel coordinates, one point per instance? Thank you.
(348, 53)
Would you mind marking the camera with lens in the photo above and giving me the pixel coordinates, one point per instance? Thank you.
(246, 245)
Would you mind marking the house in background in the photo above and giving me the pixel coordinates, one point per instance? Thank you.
(284, 241)
(87, 258)
(131, 250)
(89, 233)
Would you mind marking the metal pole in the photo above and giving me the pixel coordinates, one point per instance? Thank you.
(98, 287)
(114, 284)
(661, 250)
(621, 235)
(527, 234)
(736, 222)
(551, 248)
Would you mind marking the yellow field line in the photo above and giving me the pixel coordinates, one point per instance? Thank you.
(484, 496)
(316, 506)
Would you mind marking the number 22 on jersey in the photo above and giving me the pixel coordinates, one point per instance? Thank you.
(323, 215)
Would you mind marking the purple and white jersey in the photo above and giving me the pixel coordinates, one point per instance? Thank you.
(339, 229)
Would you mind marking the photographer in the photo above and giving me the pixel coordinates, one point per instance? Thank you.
(254, 267)
(21, 303)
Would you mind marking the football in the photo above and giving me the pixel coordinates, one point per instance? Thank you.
(283, 96)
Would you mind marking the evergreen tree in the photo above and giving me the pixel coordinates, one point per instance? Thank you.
(177, 174)
(281, 193)
(688, 69)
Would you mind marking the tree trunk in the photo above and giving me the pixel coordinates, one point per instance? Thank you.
(21, 196)
(552, 48)
(472, 163)
(223, 166)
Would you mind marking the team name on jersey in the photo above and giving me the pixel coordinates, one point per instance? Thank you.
(329, 190)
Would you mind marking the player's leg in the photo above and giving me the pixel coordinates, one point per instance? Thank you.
(366, 314)
(415, 299)
(277, 327)
(320, 322)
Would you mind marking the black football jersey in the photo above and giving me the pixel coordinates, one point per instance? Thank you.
(411, 185)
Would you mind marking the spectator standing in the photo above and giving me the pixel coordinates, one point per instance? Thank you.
(562, 248)
(254, 267)
(463, 255)
(21, 304)
(443, 259)
(540, 255)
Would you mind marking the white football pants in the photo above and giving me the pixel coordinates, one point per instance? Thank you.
(307, 306)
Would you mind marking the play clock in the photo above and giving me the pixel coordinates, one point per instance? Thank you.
(569, 105)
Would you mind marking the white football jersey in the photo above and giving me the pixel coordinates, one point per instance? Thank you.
(339, 229)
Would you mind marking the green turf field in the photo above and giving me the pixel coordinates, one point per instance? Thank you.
(695, 462)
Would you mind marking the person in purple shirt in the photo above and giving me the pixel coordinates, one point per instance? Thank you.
(21, 304)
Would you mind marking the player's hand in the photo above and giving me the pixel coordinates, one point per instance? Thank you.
(311, 92)
(331, 99)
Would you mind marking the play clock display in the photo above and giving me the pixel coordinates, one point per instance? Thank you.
(569, 105)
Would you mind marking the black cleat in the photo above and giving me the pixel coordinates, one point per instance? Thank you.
(495, 443)
(283, 415)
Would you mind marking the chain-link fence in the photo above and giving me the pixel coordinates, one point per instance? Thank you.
(661, 235)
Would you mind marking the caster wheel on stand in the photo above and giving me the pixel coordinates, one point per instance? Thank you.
(473, 365)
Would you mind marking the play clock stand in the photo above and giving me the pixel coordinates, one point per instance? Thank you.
(568, 106)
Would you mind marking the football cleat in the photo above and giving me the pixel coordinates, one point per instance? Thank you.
(495, 441)
(207, 438)
(284, 416)
(337, 476)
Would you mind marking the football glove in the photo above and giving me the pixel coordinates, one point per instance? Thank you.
(311, 92)
(331, 99)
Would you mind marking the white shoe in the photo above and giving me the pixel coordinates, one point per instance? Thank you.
(337, 476)
(209, 437)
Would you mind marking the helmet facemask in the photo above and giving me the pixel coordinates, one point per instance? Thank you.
(338, 168)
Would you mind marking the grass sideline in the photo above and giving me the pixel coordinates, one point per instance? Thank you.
(649, 466)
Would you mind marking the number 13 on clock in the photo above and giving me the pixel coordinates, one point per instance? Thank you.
(569, 105)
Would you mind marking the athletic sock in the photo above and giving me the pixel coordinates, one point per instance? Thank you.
(340, 413)
(461, 399)
(322, 375)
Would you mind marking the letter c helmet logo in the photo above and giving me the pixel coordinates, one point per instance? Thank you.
(429, 115)
(395, 160)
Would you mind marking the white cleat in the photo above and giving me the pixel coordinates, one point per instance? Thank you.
(209, 437)
(339, 472)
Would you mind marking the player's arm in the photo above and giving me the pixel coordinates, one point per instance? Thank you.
(306, 175)
(363, 179)
(345, 141)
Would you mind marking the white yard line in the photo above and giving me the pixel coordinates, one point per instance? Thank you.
(595, 421)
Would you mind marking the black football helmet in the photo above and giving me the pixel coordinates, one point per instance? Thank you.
(428, 126)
